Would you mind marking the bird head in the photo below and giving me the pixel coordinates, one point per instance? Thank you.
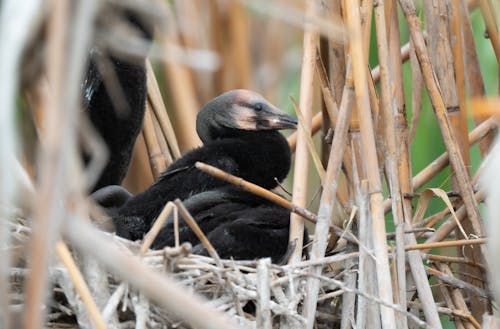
(240, 110)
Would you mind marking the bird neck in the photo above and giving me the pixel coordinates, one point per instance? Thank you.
(263, 156)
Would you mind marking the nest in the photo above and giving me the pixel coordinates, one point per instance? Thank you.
(250, 293)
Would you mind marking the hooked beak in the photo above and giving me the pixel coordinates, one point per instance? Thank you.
(273, 118)
(282, 122)
(269, 118)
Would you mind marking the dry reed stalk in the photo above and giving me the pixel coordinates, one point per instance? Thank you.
(139, 175)
(264, 319)
(366, 312)
(405, 53)
(430, 171)
(392, 159)
(81, 287)
(192, 26)
(197, 230)
(57, 160)
(417, 92)
(444, 244)
(446, 276)
(253, 188)
(155, 229)
(301, 166)
(332, 111)
(349, 298)
(463, 180)
(452, 90)
(449, 259)
(404, 167)
(97, 279)
(328, 196)
(35, 98)
(490, 322)
(316, 123)
(156, 160)
(437, 19)
(478, 305)
(433, 219)
(337, 60)
(338, 258)
(14, 34)
(441, 58)
(216, 41)
(473, 74)
(394, 307)
(182, 91)
(447, 227)
(458, 63)
(354, 129)
(398, 57)
(453, 313)
(366, 13)
(176, 228)
(226, 78)
(64, 69)
(322, 56)
(489, 19)
(446, 297)
(160, 111)
(296, 16)
(331, 107)
(239, 55)
(156, 286)
(422, 284)
(458, 299)
(370, 161)
(47, 217)
(208, 246)
(317, 119)
(332, 96)
(266, 194)
(162, 141)
(311, 149)
(400, 155)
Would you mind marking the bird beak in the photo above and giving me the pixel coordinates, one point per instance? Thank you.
(284, 121)
(270, 118)
(273, 118)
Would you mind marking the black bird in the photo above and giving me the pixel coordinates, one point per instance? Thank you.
(239, 134)
(238, 224)
(111, 197)
(118, 123)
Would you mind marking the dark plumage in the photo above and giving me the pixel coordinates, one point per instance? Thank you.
(252, 233)
(238, 130)
(237, 223)
(111, 197)
(117, 121)
(119, 128)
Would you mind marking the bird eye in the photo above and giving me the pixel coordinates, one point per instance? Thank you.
(258, 107)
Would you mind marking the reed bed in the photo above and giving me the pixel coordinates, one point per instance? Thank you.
(396, 110)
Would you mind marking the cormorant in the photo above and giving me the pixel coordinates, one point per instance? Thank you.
(239, 132)
(237, 223)
(120, 121)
